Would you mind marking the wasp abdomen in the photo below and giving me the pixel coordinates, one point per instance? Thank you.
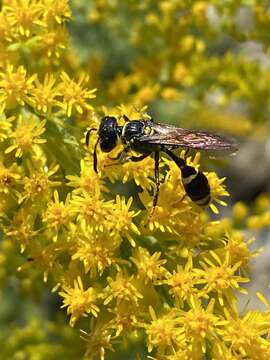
(196, 186)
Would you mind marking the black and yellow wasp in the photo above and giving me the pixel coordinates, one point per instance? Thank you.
(147, 137)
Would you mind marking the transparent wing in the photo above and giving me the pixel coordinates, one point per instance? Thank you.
(200, 140)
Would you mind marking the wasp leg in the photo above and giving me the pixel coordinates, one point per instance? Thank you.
(123, 158)
(138, 158)
(157, 180)
(119, 155)
(182, 198)
(87, 136)
(95, 156)
(186, 153)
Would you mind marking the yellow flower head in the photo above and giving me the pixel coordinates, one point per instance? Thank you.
(123, 289)
(5, 126)
(149, 267)
(56, 11)
(91, 210)
(15, 86)
(27, 134)
(44, 93)
(22, 228)
(199, 324)
(88, 181)
(163, 331)
(246, 334)
(38, 186)
(53, 43)
(95, 250)
(219, 277)
(79, 302)
(58, 214)
(24, 16)
(120, 219)
(8, 177)
(75, 95)
(182, 283)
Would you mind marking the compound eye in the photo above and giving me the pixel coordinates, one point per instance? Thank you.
(108, 122)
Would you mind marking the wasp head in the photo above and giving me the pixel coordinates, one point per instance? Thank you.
(108, 133)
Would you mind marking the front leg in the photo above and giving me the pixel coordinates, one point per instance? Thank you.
(138, 158)
(120, 156)
(95, 156)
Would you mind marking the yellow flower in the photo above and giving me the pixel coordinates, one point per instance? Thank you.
(223, 352)
(96, 251)
(171, 94)
(43, 94)
(180, 72)
(79, 302)
(5, 126)
(162, 332)
(245, 334)
(124, 320)
(98, 340)
(140, 172)
(240, 211)
(88, 181)
(15, 87)
(149, 267)
(58, 214)
(182, 283)
(22, 227)
(8, 177)
(199, 325)
(262, 203)
(24, 16)
(147, 93)
(123, 289)
(119, 219)
(26, 134)
(5, 27)
(38, 186)
(173, 207)
(52, 43)
(217, 190)
(199, 8)
(58, 11)
(91, 210)
(260, 221)
(219, 277)
(75, 95)
(238, 248)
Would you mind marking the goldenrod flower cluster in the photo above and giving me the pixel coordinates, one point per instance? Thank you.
(130, 284)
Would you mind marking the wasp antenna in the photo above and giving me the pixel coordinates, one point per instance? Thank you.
(87, 136)
(126, 119)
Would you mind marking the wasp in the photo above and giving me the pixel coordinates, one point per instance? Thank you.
(146, 137)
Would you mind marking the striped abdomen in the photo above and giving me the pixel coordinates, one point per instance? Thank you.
(194, 181)
(196, 185)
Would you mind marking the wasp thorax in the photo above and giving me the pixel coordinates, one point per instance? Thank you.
(108, 133)
(133, 129)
